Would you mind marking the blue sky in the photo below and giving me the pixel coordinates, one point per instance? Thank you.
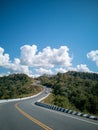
(39, 26)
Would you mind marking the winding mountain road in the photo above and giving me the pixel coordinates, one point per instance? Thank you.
(25, 115)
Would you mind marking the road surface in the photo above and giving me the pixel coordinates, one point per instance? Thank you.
(25, 115)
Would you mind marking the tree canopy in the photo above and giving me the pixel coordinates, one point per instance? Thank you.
(80, 89)
(16, 85)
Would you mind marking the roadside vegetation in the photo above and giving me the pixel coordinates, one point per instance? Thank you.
(17, 86)
(73, 90)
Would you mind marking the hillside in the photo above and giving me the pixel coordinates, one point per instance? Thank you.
(17, 85)
(74, 90)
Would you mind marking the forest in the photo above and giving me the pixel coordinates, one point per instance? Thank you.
(17, 85)
(74, 90)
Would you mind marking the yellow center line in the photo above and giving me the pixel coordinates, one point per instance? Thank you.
(32, 119)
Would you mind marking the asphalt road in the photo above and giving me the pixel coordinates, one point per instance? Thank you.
(25, 115)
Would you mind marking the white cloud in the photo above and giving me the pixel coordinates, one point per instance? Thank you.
(15, 66)
(42, 71)
(61, 70)
(83, 68)
(48, 57)
(80, 68)
(27, 54)
(4, 58)
(17, 61)
(61, 56)
(4, 74)
(48, 61)
(93, 55)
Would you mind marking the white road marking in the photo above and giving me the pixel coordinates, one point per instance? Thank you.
(65, 114)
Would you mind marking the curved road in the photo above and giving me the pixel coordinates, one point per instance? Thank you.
(25, 115)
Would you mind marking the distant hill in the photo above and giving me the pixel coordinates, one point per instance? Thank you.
(17, 85)
(78, 89)
(83, 75)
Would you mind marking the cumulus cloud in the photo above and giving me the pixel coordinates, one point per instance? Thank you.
(4, 58)
(14, 66)
(61, 56)
(80, 68)
(27, 54)
(61, 70)
(18, 68)
(93, 55)
(47, 61)
(83, 68)
(48, 57)
(30, 57)
(42, 71)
